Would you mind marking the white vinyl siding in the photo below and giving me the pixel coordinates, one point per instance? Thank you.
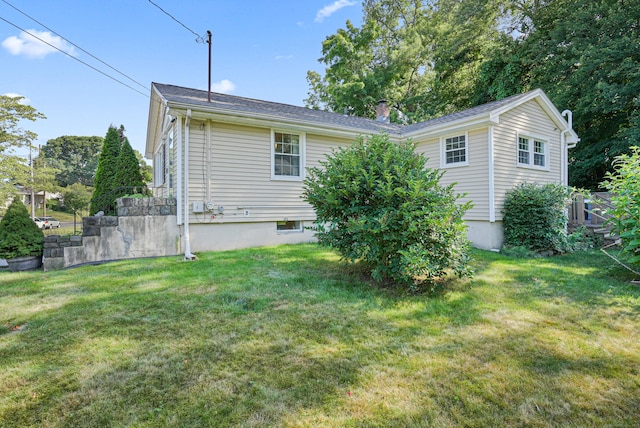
(239, 176)
(528, 120)
(473, 179)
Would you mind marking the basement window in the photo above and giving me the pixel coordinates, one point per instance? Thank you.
(289, 226)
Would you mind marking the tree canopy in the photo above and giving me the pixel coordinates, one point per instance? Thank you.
(433, 57)
(13, 168)
(75, 157)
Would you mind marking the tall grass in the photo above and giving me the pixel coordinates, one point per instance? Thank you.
(288, 336)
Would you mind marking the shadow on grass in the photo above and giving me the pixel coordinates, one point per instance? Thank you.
(249, 334)
(270, 336)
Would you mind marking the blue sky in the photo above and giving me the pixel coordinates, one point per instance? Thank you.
(261, 49)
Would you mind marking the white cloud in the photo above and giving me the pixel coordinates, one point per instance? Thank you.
(283, 57)
(332, 8)
(224, 86)
(29, 46)
(24, 100)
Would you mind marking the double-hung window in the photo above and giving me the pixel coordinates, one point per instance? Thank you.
(533, 152)
(287, 155)
(454, 151)
(159, 165)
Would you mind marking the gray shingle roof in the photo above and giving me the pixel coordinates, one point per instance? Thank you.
(196, 97)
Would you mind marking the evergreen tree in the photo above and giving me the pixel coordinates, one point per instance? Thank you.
(19, 235)
(104, 182)
(128, 176)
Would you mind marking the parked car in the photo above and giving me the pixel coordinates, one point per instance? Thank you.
(47, 222)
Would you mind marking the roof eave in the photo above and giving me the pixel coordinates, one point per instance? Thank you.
(271, 120)
(477, 121)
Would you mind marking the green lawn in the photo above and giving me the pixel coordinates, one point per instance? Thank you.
(284, 337)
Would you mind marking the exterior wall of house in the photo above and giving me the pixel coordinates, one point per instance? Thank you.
(484, 234)
(230, 175)
(532, 120)
(230, 167)
(472, 179)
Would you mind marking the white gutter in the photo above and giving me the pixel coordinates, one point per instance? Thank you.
(564, 150)
(187, 244)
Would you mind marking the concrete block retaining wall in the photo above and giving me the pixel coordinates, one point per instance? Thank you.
(144, 227)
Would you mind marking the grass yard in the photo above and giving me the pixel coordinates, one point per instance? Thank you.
(281, 337)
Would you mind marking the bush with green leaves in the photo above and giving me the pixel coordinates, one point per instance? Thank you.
(534, 217)
(19, 235)
(624, 184)
(377, 202)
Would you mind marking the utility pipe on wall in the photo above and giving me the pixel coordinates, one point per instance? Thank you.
(564, 168)
(187, 244)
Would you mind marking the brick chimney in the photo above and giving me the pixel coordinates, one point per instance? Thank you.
(382, 111)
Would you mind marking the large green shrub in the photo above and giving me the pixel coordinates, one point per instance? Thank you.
(19, 235)
(534, 217)
(377, 202)
(624, 184)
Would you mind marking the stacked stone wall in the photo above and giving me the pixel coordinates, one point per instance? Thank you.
(144, 227)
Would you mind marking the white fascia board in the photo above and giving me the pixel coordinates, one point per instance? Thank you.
(466, 124)
(270, 121)
(545, 103)
(156, 118)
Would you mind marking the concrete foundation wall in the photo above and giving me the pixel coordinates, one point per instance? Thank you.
(485, 235)
(231, 236)
(145, 227)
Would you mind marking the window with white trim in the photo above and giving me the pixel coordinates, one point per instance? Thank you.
(159, 165)
(287, 155)
(533, 152)
(454, 151)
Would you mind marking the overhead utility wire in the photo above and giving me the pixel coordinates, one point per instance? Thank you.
(73, 57)
(199, 38)
(70, 42)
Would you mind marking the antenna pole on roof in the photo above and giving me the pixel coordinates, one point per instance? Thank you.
(209, 42)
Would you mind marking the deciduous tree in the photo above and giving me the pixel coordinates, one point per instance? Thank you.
(75, 157)
(13, 168)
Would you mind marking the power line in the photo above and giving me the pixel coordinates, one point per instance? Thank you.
(70, 42)
(73, 57)
(199, 38)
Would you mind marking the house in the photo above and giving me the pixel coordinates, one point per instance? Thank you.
(245, 160)
(24, 195)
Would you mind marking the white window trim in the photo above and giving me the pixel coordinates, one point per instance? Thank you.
(443, 150)
(532, 137)
(159, 164)
(303, 145)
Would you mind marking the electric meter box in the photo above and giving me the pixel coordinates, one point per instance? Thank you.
(197, 207)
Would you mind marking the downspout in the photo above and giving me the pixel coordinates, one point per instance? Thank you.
(187, 244)
(492, 200)
(564, 149)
